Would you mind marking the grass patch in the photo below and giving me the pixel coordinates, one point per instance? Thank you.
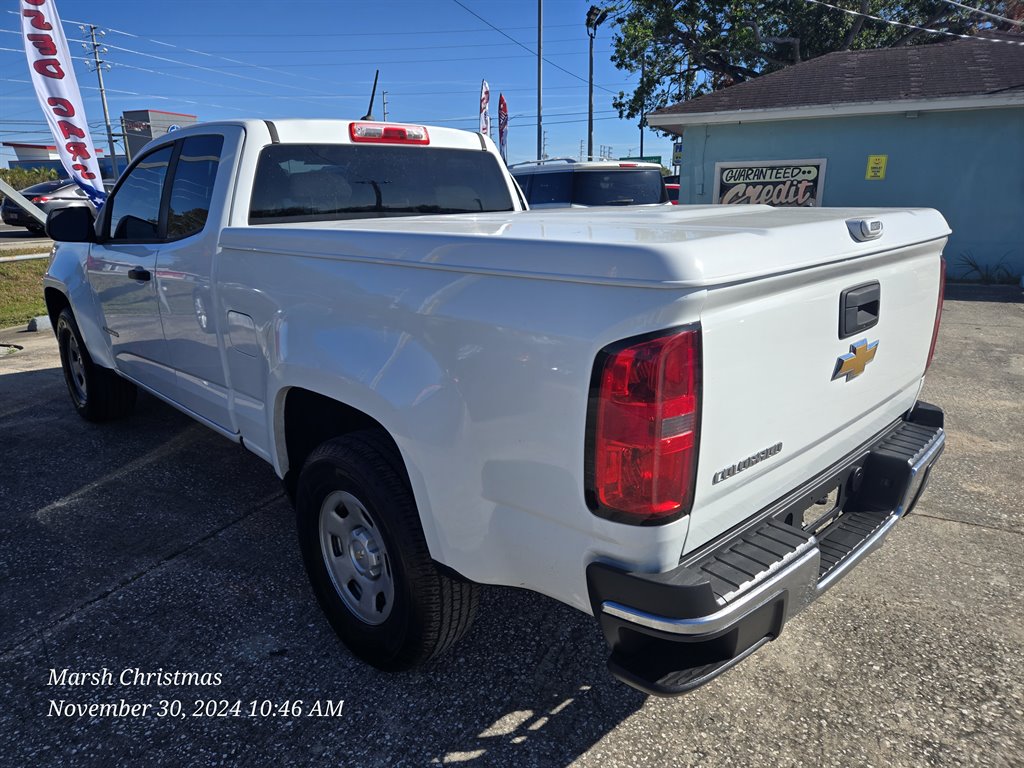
(21, 291)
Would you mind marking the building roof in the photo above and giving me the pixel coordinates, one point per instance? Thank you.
(39, 147)
(953, 70)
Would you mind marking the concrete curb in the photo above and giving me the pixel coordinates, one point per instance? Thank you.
(40, 323)
(27, 257)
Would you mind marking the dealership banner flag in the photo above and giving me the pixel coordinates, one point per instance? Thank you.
(485, 108)
(53, 75)
(503, 127)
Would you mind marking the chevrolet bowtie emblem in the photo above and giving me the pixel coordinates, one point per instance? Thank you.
(852, 365)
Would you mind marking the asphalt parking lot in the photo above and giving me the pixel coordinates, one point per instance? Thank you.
(154, 544)
(20, 237)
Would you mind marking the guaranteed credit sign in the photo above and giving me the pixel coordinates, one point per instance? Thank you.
(793, 183)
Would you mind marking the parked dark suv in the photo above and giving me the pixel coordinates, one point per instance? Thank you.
(565, 183)
(48, 196)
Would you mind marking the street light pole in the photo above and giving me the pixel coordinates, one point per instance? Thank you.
(590, 99)
(595, 17)
(540, 77)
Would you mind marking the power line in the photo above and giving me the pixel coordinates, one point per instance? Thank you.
(168, 98)
(472, 91)
(911, 26)
(984, 13)
(527, 48)
(208, 69)
(324, 64)
(348, 34)
(275, 84)
(197, 66)
(210, 55)
(375, 49)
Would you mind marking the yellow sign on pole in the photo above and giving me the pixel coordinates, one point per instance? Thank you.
(876, 167)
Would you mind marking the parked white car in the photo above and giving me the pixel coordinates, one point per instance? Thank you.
(686, 421)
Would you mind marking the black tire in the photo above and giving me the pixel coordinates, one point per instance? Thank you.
(97, 393)
(430, 609)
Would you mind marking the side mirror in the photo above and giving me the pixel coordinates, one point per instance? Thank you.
(71, 225)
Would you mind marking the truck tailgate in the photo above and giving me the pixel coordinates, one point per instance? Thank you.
(785, 396)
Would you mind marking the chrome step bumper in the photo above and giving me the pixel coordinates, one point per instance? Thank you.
(671, 632)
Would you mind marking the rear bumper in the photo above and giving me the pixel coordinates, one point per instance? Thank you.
(16, 217)
(672, 632)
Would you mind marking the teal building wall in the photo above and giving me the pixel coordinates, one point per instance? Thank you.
(967, 164)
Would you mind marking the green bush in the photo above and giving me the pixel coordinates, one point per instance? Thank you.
(19, 178)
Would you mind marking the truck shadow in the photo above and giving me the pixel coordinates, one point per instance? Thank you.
(153, 543)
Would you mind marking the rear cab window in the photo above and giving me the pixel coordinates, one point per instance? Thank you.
(551, 187)
(330, 182)
(619, 187)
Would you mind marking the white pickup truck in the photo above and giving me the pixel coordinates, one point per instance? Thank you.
(688, 422)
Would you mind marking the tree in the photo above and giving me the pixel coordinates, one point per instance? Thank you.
(19, 178)
(684, 49)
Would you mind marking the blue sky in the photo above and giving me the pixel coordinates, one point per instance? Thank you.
(315, 58)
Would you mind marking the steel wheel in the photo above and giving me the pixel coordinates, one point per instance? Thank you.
(76, 371)
(97, 393)
(356, 558)
(363, 547)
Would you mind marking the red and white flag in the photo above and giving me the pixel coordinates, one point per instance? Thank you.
(485, 108)
(503, 127)
(53, 75)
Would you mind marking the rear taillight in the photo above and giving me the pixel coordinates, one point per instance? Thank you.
(938, 311)
(644, 419)
(382, 133)
(39, 199)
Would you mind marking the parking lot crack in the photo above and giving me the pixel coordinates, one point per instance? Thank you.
(970, 523)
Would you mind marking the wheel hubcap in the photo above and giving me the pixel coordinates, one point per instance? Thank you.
(356, 558)
(76, 369)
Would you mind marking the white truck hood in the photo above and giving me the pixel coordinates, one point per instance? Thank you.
(666, 247)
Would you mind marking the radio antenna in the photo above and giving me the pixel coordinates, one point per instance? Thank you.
(373, 95)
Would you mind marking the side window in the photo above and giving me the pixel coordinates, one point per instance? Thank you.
(135, 209)
(524, 183)
(192, 185)
(551, 188)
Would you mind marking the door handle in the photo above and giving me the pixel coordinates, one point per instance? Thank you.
(138, 273)
(859, 308)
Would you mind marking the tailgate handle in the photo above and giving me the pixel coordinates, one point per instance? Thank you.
(858, 308)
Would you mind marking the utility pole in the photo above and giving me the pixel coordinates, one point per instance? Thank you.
(643, 63)
(581, 150)
(540, 74)
(124, 137)
(384, 95)
(99, 63)
(595, 16)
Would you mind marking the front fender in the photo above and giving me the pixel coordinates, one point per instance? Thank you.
(68, 274)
